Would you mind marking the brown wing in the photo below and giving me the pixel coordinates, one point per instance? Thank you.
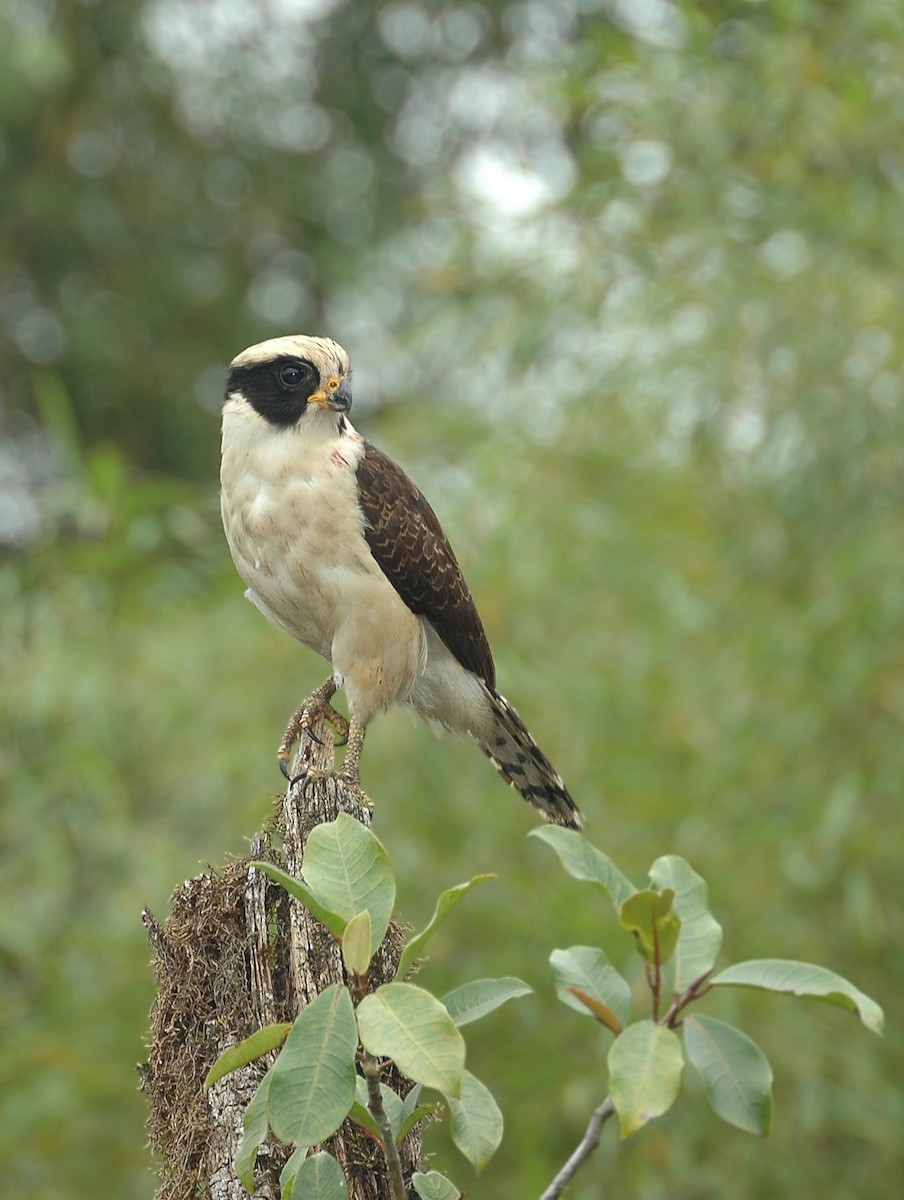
(409, 545)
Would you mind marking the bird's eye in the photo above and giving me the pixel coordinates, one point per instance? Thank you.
(290, 375)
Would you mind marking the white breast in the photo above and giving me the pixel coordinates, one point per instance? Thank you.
(290, 510)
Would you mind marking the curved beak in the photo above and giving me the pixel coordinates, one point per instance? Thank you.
(341, 399)
(334, 395)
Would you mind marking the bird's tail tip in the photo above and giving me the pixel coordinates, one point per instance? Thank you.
(523, 765)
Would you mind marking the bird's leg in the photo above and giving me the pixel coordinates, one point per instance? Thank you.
(316, 704)
(349, 773)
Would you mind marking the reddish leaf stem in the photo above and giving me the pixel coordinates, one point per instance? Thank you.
(698, 988)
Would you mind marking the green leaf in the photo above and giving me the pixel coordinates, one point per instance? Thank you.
(644, 1073)
(444, 905)
(650, 916)
(356, 943)
(473, 1000)
(701, 934)
(803, 979)
(584, 861)
(318, 1178)
(255, 1130)
(332, 920)
(409, 1104)
(433, 1186)
(348, 871)
(736, 1074)
(413, 1118)
(411, 1027)
(360, 1114)
(588, 969)
(411, 1113)
(313, 1083)
(247, 1051)
(289, 1172)
(476, 1122)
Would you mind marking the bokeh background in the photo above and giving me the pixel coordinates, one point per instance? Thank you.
(622, 284)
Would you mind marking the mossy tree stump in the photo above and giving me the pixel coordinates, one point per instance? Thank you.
(237, 953)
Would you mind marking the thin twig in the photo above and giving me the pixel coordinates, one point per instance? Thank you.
(371, 1069)
(585, 1148)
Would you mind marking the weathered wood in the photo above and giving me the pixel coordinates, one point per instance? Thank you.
(237, 953)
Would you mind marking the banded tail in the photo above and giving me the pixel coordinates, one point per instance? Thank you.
(521, 763)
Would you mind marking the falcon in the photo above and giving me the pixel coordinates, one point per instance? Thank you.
(338, 548)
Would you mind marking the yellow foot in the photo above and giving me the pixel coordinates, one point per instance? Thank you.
(352, 786)
(316, 705)
(307, 773)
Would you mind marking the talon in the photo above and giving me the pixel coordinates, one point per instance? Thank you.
(292, 779)
(318, 701)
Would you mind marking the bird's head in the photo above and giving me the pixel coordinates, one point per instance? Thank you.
(286, 378)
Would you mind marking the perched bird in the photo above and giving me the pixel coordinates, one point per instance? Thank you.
(338, 548)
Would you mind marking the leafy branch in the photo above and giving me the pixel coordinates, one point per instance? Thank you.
(678, 940)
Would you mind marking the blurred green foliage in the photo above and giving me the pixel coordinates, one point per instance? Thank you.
(622, 284)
